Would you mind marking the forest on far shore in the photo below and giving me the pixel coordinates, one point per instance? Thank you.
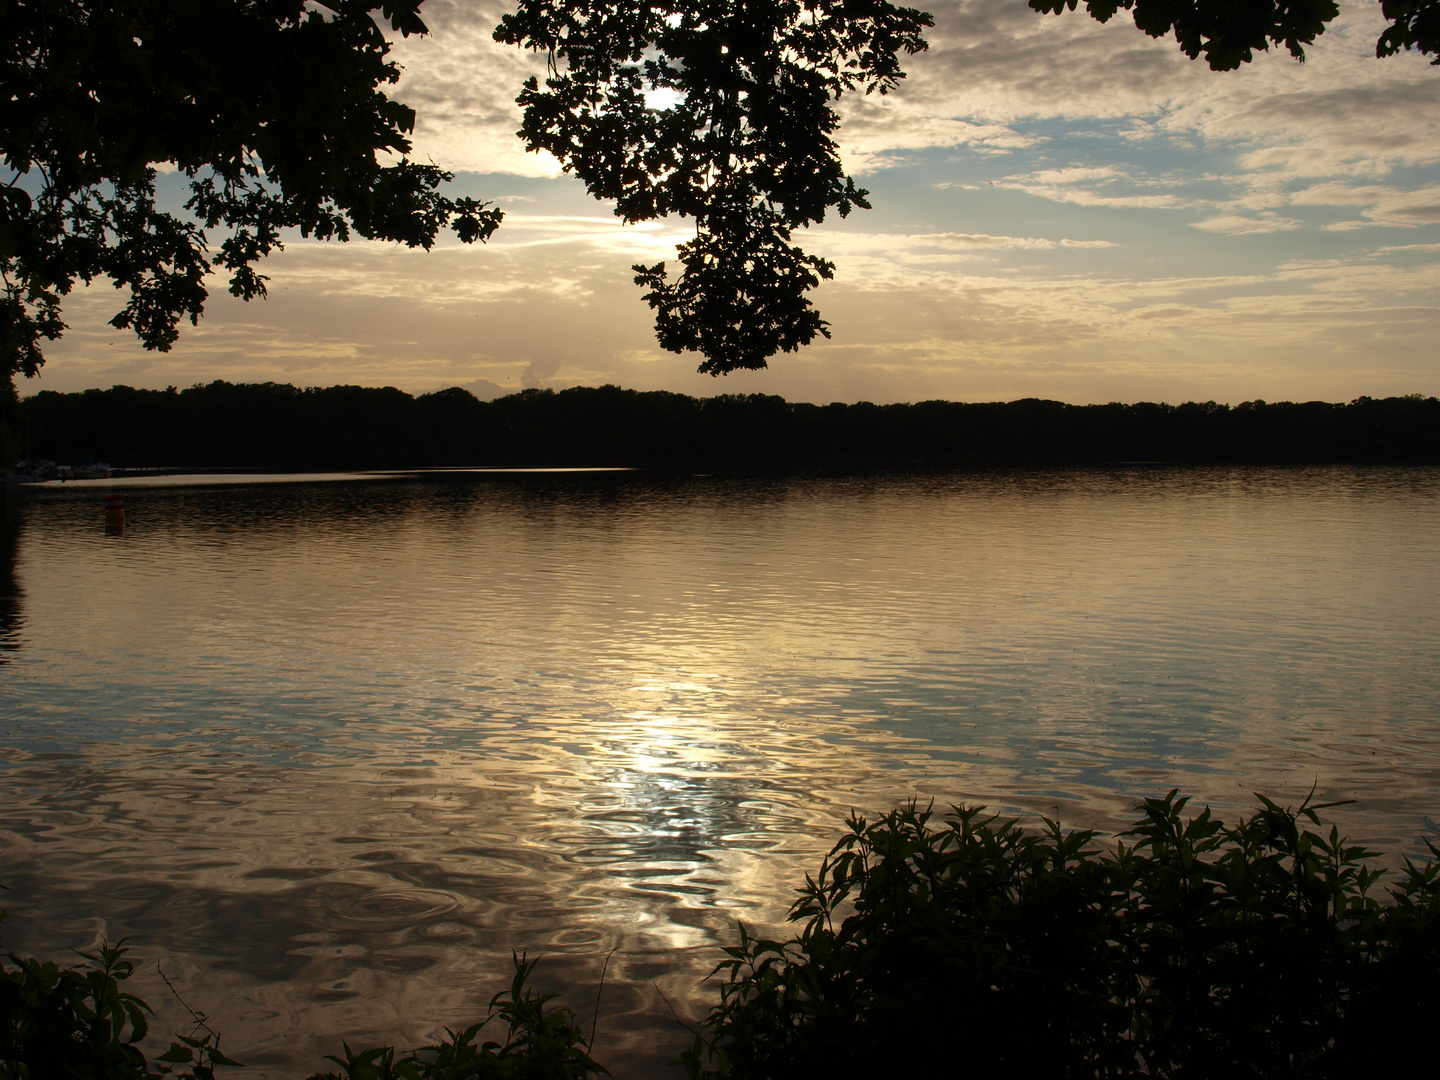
(278, 426)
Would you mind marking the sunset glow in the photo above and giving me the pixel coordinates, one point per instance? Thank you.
(1061, 209)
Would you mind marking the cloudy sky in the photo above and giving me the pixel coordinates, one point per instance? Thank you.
(1061, 209)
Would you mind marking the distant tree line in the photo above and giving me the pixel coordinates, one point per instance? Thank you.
(278, 426)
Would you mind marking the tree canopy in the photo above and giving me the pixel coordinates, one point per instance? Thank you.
(720, 112)
(1228, 33)
(272, 110)
(275, 114)
(744, 142)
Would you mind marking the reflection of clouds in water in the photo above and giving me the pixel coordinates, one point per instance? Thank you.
(313, 893)
(378, 896)
(333, 750)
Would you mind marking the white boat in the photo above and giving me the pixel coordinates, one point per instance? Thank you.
(91, 470)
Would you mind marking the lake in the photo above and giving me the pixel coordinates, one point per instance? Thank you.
(328, 748)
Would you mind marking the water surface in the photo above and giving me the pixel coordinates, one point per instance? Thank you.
(330, 749)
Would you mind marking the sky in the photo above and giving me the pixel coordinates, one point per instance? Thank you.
(1061, 209)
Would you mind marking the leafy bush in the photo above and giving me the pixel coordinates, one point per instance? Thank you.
(78, 1024)
(540, 1044)
(1189, 949)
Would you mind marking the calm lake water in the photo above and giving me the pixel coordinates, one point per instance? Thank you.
(329, 749)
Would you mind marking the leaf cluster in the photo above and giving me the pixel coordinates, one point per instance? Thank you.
(719, 111)
(1227, 34)
(541, 1043)
(78, 1023)
(274, 113)
(1190, 948)
(1414, 24)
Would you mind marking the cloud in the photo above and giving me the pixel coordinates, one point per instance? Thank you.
(1237, 225)
(1106, 186)
(1076, 174)
(981, 240)
(644, 240)
(872, 140)
(463, 85)
(1421, 207)
(1015, 133)
(893, 260)
(984, 241)
(484, 389)
(1000, 80)
(1337, 193)
(1342, 115)
(502, 317)
(1082, 197)
(1382, 205)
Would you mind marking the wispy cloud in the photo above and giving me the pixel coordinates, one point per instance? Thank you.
(1339, 193)
(1062, 210)
(1084, 197)
(1418, 207)
(463, 85)
(1076, 174)
(1238, 225)
(903, 329)
(985, 241)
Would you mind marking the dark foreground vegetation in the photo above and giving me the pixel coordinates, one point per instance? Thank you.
(1188, 948)
(273, 426)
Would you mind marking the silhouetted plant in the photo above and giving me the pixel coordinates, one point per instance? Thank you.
(77, 1023)
(541, 1043)
(1189, 949)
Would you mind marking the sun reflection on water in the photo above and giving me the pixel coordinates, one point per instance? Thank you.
(332, 751)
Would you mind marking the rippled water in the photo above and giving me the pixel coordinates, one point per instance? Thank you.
(329, 749)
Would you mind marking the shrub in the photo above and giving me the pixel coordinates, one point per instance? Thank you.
(1189, 949)
(540, 1044)
(78, 1024)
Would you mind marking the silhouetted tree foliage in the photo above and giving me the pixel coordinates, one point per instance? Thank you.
(80, 1023)
(1189, 948)
(1414, 24)
(741, 143)
(542, 1042)
(1228, 33)
(277, 426)
(1184, 948)
(273, 111)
